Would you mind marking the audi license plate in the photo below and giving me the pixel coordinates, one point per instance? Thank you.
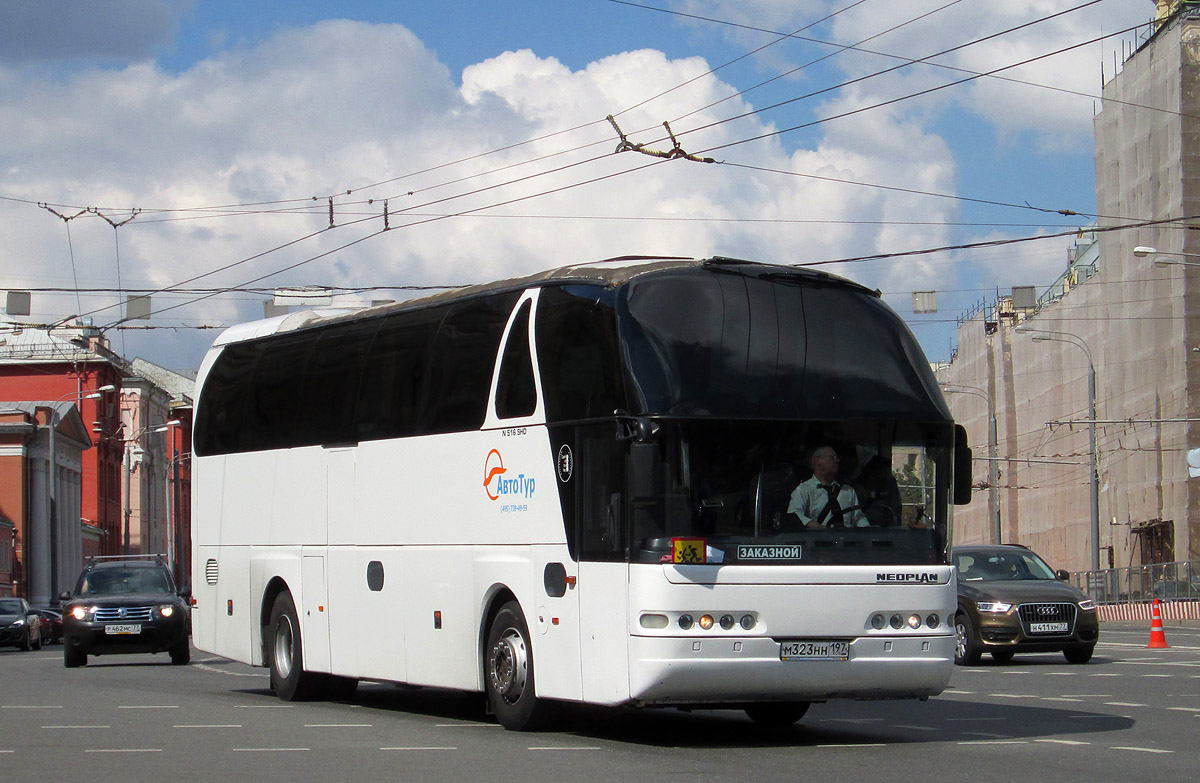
(122, 629)
(813, 650)
(1048, 628)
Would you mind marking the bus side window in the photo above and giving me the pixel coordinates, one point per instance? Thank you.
(516, 394)
(578, 355)
(331, 383)
(462, 362)
(394, 375)
(275, 394)
(220, 422)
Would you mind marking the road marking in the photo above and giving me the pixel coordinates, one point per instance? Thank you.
(1012, 696)
(1063, 742)
(429, 747)
(577, 747)
(337, 725)
(466, 725)
(986, 734)
(1185, 709)
(1088, 695)
(263, 706)
(266, 750)
(208, 726)
(994, 742)
(147, 706)
(1061, 698)
(30, 706)
(915, 728)
(123, 750)
(76, 727)
(1123, 704)
(1142, 750)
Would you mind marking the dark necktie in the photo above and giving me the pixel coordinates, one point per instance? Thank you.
(834, 509)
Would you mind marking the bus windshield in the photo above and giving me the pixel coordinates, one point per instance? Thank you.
(751, 492)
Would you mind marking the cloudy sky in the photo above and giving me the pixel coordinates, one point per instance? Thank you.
(195, 148)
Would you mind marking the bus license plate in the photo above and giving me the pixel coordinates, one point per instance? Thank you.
(123, 629)
(813, 649)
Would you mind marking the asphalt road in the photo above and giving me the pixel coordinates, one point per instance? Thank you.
(1132, 713)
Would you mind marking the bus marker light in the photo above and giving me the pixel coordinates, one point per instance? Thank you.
(554, 621)
(229, 607)
(706, 621)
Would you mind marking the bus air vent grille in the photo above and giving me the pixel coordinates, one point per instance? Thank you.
(210, 571)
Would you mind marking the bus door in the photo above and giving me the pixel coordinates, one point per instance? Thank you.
(334, 618)
(603, 568)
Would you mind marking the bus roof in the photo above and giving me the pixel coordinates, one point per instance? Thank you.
(611, 272)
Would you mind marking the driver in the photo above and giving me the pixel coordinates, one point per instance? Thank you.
(824, 500)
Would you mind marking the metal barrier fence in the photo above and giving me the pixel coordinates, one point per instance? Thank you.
(1139, 584)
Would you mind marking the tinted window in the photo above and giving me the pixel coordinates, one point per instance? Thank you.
(222, 407)
(775, 346)
(275, 393)
(464, 357)
(395, 375)
(330, 392)
(578, 353)
(516, 394)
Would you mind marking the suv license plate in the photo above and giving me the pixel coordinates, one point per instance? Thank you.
(813, 649)
(123, 629)
(1048, 628)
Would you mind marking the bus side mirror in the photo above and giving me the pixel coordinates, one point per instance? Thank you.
(962, 467)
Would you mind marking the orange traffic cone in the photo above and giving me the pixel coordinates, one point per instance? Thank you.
(1158, 639)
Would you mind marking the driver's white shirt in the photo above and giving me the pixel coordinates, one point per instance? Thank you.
(810, 498)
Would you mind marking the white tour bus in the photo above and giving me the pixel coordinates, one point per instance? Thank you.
(582, 486)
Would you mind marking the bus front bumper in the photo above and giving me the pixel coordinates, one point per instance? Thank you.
(688, 670)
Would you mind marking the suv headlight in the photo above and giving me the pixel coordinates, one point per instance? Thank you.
(1087, 603)
(993, 607)
(166, 610)
(81, 612)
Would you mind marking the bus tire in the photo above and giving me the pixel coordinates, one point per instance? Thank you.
(288, 678)
(508, 672)
(777, 713)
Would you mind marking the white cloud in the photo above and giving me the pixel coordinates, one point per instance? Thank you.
(343, 105)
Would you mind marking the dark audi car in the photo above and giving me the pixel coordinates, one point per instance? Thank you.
(125, 605)
(1010, 601)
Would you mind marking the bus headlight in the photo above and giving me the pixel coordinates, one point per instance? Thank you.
(933, 621)
(914, 621)
(706, 621)
(748, 622)
(878, 622)
(686, 622)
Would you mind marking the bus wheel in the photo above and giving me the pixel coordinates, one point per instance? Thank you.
(508, 675)
(777, 713)
(288, 678)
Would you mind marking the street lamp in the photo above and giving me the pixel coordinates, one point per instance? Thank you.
(1043, 335)
(1142, 251)
(52, 478)
(993, 459)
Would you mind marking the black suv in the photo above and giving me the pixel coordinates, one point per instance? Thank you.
(1010, 601)
(125, 605)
